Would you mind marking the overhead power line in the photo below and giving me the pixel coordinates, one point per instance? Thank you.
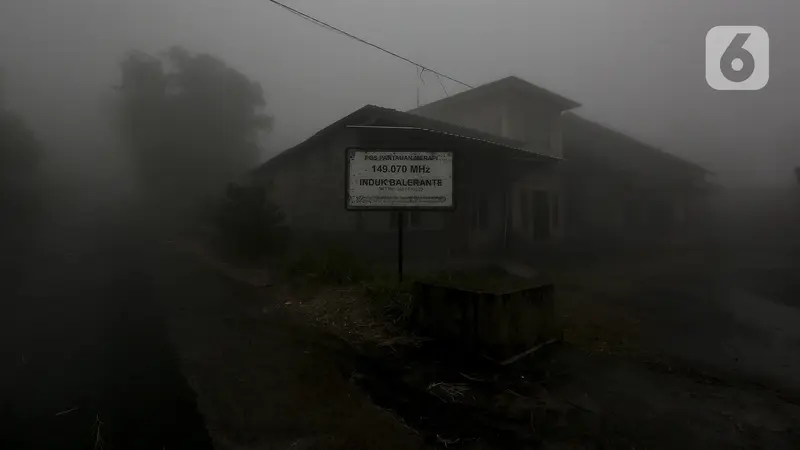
(364, 41)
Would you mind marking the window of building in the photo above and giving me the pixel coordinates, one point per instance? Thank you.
(541, 215)
(524, 210)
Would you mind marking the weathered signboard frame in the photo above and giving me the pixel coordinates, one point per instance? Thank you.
(399, 209)
(347, 205)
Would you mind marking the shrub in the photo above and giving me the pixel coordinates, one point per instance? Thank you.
(393, 299)
(330, 266)
(249, 224)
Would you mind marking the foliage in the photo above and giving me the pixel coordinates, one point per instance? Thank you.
(330, 266)
(394, 299)
(192, 123)
(20, 151)
(249, 223)
(338, 267)
(20, 156)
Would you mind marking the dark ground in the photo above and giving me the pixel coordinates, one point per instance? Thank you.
(84, 346)
(740, 317)
(269, 378)
(85, 360)
(720, 368)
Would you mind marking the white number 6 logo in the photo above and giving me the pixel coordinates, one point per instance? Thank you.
(737, 58)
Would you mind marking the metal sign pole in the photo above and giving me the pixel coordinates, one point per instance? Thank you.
(400, 223)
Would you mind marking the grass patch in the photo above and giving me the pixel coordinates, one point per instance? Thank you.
(331, 266)
(356, 299)
(394, 300)
(375, 283)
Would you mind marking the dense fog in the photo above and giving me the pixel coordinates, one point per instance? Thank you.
(634, 65)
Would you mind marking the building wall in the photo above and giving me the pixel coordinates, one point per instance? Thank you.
(596, 207)
(488, 114)
(480, 217)
(537, 123)
(386, 222)
(612, 207)
(309, 188)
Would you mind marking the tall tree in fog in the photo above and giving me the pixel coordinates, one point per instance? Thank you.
(20, 150)
(192, 124)
(20, 154)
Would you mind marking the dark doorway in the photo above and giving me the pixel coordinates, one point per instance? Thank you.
(541, 215)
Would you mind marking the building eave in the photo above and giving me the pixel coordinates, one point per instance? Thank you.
(523, 151)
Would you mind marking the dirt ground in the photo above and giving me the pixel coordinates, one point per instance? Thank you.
(265, 380)
(86, 363)
(269, 376)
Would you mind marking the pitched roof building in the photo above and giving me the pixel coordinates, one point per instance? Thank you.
(519, 158)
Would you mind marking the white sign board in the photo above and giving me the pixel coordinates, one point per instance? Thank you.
(399, 179)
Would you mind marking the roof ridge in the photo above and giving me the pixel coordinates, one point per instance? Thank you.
(507, 81)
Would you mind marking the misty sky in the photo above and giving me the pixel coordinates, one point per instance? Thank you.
(637, 65)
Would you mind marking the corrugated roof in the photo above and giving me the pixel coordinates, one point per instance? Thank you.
(506, 84)
(376, 116)
(585, 137)
(410, 119)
